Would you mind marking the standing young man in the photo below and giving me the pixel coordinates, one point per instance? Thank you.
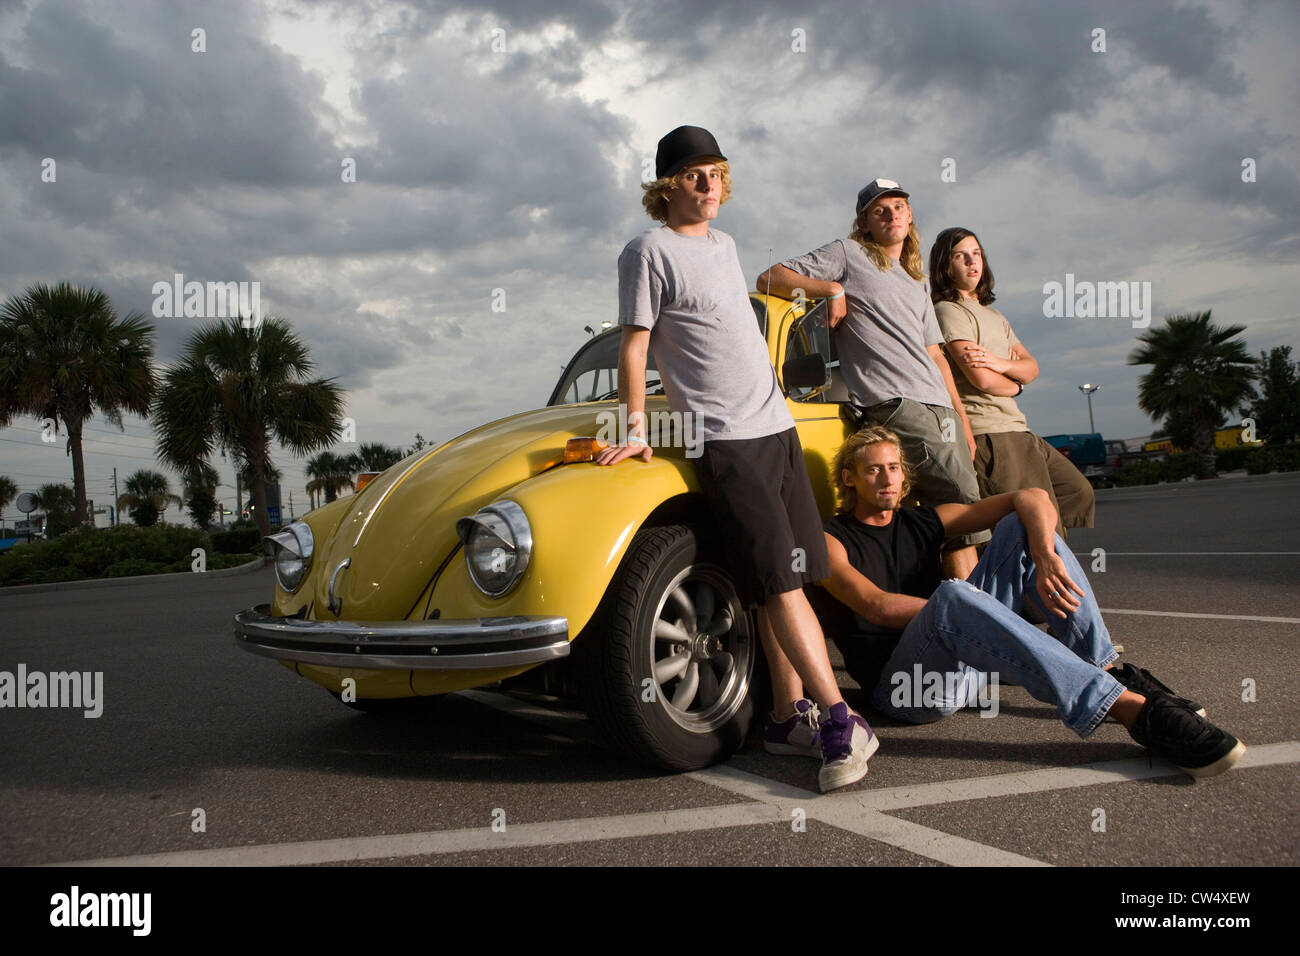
(991, 368)
(948, 635)
(682, 293)
(890, 347)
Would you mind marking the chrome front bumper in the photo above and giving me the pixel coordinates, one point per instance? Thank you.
(473, 644)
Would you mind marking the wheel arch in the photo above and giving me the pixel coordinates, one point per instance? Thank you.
(613, 672)
(583, 519)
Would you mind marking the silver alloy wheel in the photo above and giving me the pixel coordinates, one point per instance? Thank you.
(700, 655)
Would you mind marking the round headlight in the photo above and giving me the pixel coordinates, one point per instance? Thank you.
(293, 549)
(498, 543)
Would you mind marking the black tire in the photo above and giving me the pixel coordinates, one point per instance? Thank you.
(668, 714)
(391, 706)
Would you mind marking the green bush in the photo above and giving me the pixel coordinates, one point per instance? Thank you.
(1231, 459)
(114, 552)
(1261, 461)
(236, 540)
(1140, 473)
(1185, 464)
(133, 566)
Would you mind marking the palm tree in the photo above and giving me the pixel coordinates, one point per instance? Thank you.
(374, 456)
(272, 474)
(315, 488)
(200, 492)
(64, 355)
(236, 390)
(8, 492)
(147, 495)
(1198, 374)
(58, 501)
(330, 473)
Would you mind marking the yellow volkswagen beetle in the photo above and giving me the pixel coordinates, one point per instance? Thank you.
(507, 555)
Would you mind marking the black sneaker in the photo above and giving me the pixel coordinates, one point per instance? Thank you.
(1190, 742)
(1141, 681)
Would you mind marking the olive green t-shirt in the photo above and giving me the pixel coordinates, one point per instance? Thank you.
(989, 328)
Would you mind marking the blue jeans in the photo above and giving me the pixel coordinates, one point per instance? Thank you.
(973, 628)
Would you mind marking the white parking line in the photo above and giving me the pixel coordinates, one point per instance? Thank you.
(921, 840)
(862, 812)
(472, 840)
(858, 812)
(840, 811)
(1213, 617)
(980, 788)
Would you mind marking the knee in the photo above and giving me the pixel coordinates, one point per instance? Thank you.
(1010, 527)
(954, 593)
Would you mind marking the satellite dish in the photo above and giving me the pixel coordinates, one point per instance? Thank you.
(26, 503)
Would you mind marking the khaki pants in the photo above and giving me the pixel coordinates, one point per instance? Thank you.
(1009, 461)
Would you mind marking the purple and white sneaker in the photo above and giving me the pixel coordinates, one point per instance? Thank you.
(847, 745)
(795, 736)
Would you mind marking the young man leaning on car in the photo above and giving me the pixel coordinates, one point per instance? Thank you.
(890, 347)
(682, 293)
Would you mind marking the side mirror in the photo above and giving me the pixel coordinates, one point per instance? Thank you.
(806, 371)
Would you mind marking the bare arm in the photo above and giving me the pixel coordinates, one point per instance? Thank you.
(967, 356)
(632, 352)
(936, 353)
(1034, 506)
(784, 281)
(851, 587)
(1020, 369)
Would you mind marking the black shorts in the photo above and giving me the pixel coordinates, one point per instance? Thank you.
(763, 505)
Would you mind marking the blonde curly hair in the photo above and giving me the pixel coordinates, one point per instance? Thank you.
(847, 458)
(655, 197)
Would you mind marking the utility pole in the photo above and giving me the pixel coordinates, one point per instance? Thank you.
(114, 511)
(291, 514)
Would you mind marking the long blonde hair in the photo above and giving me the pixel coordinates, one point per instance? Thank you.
(847, 458)
(910, 260)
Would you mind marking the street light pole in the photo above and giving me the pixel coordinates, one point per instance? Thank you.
(1088, 389)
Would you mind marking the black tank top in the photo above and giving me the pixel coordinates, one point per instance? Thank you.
(901, 557)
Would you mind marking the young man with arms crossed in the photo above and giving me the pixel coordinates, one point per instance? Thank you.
(885, 574)
(890, 346)
(991, 368)
(682, 293)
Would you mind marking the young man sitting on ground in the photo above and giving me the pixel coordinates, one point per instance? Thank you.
(885, 574)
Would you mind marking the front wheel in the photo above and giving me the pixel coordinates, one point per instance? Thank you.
(665, 672)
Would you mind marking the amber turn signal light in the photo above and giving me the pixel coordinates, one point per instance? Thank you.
(365, 478)
(583, 449)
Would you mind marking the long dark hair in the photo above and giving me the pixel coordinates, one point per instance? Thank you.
(941, 287)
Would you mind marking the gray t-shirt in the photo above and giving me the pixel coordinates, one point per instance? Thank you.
(690, 293)
(890, 321)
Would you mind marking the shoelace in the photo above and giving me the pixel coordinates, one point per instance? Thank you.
(812, 716)
(840, 735)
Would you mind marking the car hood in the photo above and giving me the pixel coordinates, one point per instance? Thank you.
(402, 527)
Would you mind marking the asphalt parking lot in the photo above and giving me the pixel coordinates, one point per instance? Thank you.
(1201, 585)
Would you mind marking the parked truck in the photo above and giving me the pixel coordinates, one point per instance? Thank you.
(1098, 459)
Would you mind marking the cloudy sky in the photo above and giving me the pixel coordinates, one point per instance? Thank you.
(500, 145)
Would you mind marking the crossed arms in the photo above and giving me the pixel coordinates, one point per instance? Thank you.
(990, 374)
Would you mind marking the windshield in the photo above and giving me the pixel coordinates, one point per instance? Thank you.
(592, 375)
(811, 334)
